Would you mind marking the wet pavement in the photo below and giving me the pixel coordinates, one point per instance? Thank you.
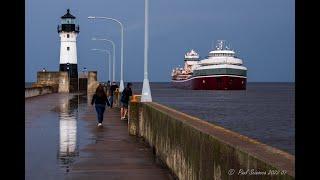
(62, 141)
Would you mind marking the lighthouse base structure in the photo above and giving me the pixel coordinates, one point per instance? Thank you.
(73, 75)
(58, 82)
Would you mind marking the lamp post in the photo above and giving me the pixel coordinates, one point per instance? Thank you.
(121, 25)
(146, 92)
(114, 52)
(108, 53)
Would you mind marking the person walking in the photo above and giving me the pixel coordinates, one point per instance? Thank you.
(116, 97)
(108, 88)
(113, 87)
(104, 87)
(100, 100)
(126, 93)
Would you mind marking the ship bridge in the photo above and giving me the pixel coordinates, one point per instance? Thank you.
(191, 56)
(221, 55)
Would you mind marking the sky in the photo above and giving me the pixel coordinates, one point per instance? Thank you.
(261, 32)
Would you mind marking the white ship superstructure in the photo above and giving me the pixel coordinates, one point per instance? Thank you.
(191, 60)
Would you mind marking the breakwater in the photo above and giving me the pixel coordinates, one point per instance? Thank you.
(53, 82)
(36, 91)
(194, 149)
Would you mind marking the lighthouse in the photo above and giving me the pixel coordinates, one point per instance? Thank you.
(68, 32)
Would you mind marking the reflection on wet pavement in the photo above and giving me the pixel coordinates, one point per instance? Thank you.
(63, 142)
(52, 134)
(68, 147)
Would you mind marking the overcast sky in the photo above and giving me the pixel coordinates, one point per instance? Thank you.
(261, 32)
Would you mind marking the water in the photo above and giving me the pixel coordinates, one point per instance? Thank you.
(265, 111)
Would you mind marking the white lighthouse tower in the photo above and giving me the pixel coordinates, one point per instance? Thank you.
(68, 32)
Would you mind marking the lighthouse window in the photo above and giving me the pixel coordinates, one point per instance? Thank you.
(68, 48)
(68, 35)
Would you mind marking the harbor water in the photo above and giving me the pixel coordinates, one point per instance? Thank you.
(265, 111)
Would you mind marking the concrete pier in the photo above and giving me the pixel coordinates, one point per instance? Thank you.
(110, 153)
(37, 91)
(115, 155)
(195, 149)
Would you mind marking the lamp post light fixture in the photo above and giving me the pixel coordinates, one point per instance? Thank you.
(121, 25)
(146, 92)
(114, 55)
(109, 57)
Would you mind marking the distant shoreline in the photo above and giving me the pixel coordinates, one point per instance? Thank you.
(170, 81)
(29, 84)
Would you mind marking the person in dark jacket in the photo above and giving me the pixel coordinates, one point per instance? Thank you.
(126, 93)
(100, 100)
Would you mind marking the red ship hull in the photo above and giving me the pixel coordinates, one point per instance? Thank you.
(221, 82)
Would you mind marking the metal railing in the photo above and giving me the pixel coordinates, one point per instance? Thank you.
(76, 29)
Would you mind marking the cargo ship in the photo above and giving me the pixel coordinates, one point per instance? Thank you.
(220, 70)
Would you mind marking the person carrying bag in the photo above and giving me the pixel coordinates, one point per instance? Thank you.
(100, 100)
(126, 93)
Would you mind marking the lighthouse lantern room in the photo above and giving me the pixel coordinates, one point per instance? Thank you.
(68, 31)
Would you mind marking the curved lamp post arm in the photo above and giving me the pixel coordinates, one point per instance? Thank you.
(108, 56)
(121, 25)
(114, 52)
(108, 18)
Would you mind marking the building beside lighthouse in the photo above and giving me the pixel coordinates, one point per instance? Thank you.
(68, 32)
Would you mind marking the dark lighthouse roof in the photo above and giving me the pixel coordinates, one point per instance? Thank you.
(68, 23)
(68, 15)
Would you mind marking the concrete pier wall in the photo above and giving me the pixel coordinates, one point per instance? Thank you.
(92, 82)
(63, 82)
(36, 91)
(48, 78)
(194, 149)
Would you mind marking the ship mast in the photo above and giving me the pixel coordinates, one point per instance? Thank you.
(220, 44)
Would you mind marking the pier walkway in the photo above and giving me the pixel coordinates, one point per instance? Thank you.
(115, 155)
(60, 124)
